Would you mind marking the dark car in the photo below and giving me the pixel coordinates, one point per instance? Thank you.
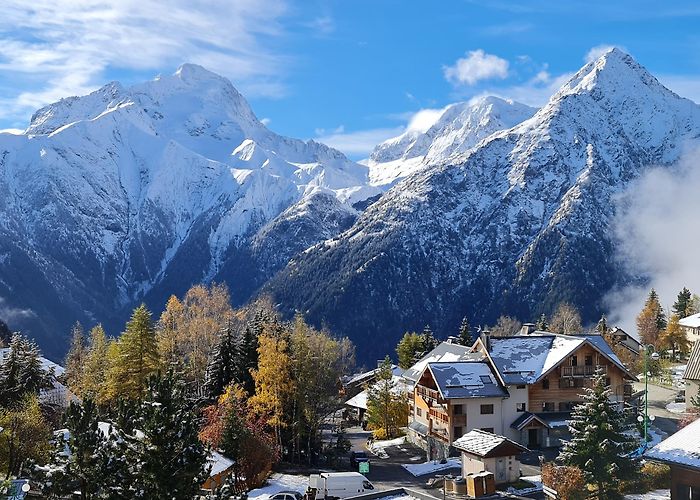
(680, 397)
(356, 457)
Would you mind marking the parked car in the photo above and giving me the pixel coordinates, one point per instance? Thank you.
(287, 495)
(338, 485)
(680, 397)
(356, 457)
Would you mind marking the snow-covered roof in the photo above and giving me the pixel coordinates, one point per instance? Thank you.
(219, 463)
(682, 448)
(486, 444)
(524, 359)
(444, 352)
(466, 379)
(360, 399)
(358, 378)
(692, 321)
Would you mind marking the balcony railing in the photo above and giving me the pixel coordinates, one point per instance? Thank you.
(582, 371)
(430, 396)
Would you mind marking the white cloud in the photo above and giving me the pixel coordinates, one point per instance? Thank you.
(266, 121)
(13, 131)
(359, 143)
(597, 51)
(10, 314)
(323, 25)
(57, 48)
(476, 66)
(424, 119)
(534, 92)
(656, 237)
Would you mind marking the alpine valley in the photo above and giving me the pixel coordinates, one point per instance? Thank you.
(132, 194)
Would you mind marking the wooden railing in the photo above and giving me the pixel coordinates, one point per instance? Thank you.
(430, 396)
(582, 371)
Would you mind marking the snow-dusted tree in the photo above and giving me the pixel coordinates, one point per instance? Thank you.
(409, 348)
(429, 341)
(165, 456)
(22, 372)
(75, 359)
(387, 407)
(599, 443)
(5, 334)
(602, 326)
(542, 324)
(465, 334)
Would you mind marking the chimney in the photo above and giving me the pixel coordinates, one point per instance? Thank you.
(486, 339)
(527, 328)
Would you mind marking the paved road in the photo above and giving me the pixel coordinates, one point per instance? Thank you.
(659, 397)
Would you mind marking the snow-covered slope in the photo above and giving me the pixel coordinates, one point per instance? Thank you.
(514, 225)
(133, 193)
(461, 127)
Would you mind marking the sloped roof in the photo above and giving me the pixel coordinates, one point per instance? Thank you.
(692, 321)
(692, 371)
(466, 379)
(524, 359)
(524, 419)
(444, 352)
(485, 444)
(681, 448)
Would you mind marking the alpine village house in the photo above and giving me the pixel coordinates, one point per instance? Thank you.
(522, 387)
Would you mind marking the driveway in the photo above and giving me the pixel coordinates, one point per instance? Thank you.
(659, 397)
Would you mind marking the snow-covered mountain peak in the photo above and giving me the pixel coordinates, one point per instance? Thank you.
(460, 128)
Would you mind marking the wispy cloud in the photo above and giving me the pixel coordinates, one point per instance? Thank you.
(10, 314)
(476, 66)
(323, 25)
(359, 143)
(601, 49)
(57, 48)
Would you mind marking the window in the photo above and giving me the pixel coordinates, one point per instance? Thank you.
(589, 360)
(419, 412)
(567, 405)
(367, 485)
(607, 381)
(520, 406)
(520, 386)
(547, 406)
(458, 432)
(458, 409)
(545, 384)
(488, 429)
(487, 409)
(574, 361)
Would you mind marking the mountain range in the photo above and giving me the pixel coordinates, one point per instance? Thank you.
(130, 194)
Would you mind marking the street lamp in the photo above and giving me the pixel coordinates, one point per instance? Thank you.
(655, 357)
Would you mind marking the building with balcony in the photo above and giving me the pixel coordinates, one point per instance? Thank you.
(535, 379)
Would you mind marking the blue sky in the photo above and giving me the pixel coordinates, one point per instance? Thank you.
(350, 73)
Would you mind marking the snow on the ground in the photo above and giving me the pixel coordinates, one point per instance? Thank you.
(280, 482)
(676, 407)
(536, 486)
(651, 495)
(376, 445)
(431, 466)
(656, 437)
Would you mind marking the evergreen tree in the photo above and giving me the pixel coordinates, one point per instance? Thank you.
(602, 326)
(165, 455)
(5, 334)
(96, 366)
(683, 305)
(75, 359)
(428, 339)
(247, 359)
(465, 334)
(222, 365)
(94, 466)
(599, 443)
(21, 373)
(542, 324)
(409, 348)
(137, 356)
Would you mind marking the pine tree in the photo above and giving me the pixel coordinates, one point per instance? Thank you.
(136, 356)
(21, 373)
(75, 359)
(428, 339)
(599, 445)
(682, 306)
(247, 359)
(542, 324)
(165, 455)
(465, 334)
(602, 326)
(409, 348)
(221, 370)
